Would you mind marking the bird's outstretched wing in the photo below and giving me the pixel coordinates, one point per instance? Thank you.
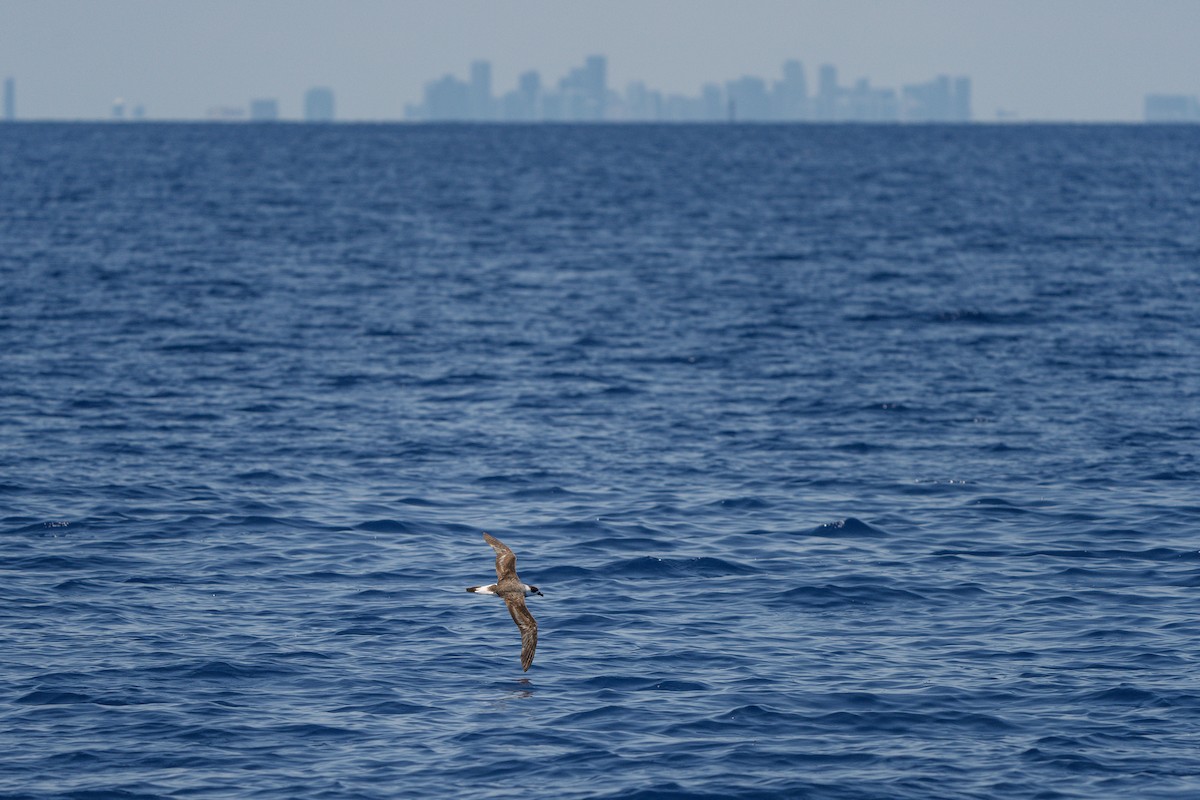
(527, 625)
(506, 562)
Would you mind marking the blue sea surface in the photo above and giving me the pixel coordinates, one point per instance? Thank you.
(854, 462)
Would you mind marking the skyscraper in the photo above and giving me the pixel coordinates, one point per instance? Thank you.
(264, 110)
(521, 105)
(713, 100)
(790, 98)
(962, 99)
(585, 90)
(748, 99)
(1171, 108)
(938, 100)
(318, 105)
(447, 99)
(828, 93)
(10, 100)
(596, 85)
(480, 96)
(865, 103)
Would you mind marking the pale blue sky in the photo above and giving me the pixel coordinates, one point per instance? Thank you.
(1043, 59)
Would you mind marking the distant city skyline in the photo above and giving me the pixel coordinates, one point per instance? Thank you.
(583, 95)
(1069, 60)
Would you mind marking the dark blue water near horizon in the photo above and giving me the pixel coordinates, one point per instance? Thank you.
(853, 462)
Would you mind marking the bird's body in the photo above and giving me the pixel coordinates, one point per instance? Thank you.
(514, 592)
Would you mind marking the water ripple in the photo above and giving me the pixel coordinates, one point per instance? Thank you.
(853, 462)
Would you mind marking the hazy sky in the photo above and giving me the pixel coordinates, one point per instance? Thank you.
(1042, 59)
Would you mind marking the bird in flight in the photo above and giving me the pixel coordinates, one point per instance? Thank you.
(509, 586)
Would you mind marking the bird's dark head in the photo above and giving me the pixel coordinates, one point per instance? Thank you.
(533, 590)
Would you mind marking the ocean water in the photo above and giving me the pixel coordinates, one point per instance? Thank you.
(853, 462)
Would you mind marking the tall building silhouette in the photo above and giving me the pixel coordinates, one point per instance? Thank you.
(789, 99)
(447, 99)
(595, 77)
(748, 99)
(584, 92)
(521, 104)
(962, 99)
(938, 100)
(641, 105)
(10, 99)
(1171, 108)
(865, 103)
(479, 95)
(827, 93)
(318, 104)
(712, 102)
(264, 110)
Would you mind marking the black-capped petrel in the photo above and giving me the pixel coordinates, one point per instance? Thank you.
(509, 586)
